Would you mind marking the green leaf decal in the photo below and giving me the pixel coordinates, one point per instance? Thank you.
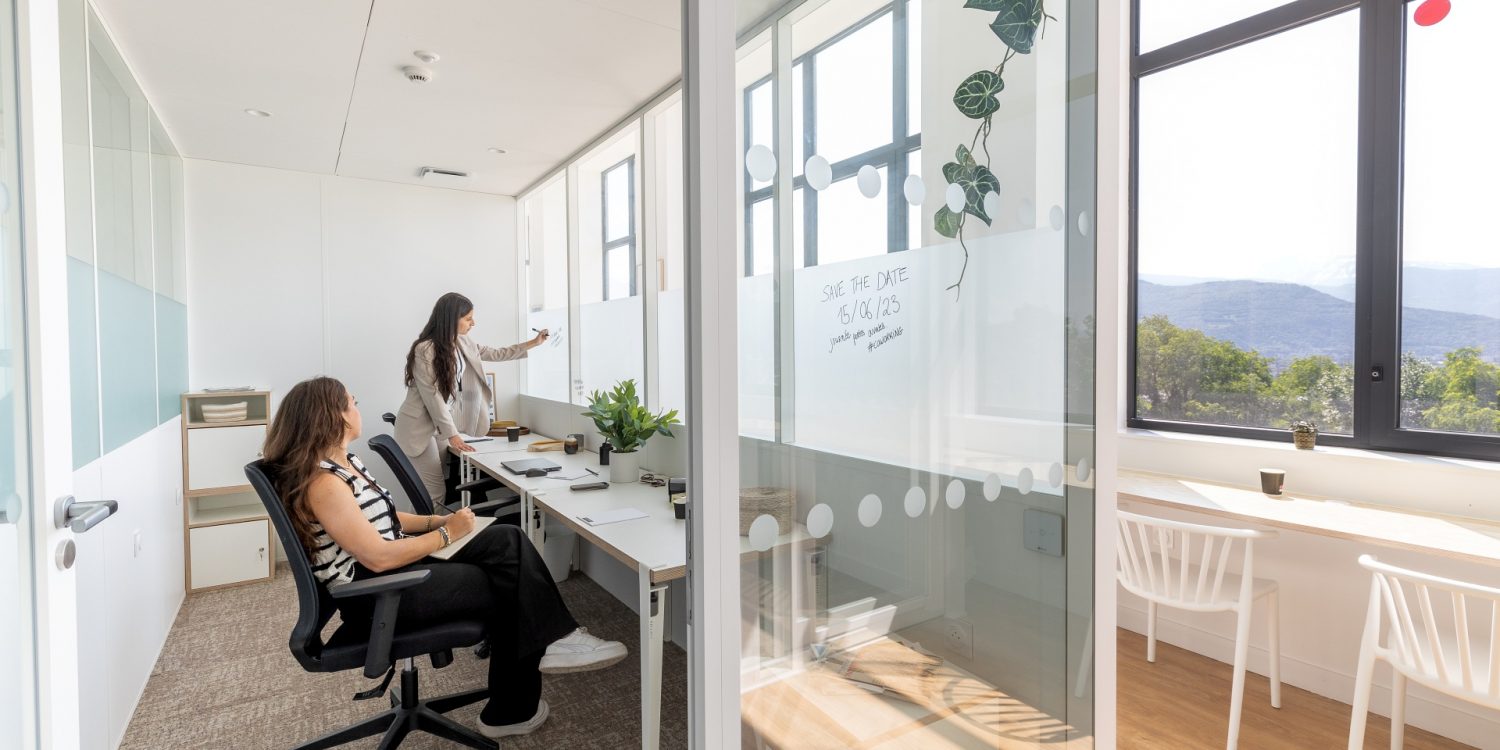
(975, 97)
(977, 181)
(986, 4)
(946, 223)
(964, 158)
(1017, 23)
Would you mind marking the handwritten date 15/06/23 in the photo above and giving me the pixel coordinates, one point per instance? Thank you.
(871, 308)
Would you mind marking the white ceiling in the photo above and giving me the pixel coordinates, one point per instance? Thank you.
(538, 78)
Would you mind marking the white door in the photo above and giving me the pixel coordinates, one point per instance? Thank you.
(38, 616)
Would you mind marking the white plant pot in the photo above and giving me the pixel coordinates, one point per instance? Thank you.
(624, 468)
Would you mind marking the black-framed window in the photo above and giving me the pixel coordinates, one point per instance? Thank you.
(617, 199)
(1308, 235)
(838, 222)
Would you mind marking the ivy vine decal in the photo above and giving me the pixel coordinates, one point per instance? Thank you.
(1017, 23)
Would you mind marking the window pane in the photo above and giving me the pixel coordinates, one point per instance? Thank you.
(852, 89)
(762, 120)
(671, 311)
(617, 189)
(1246, 221)
(799, 129)
(1450, 286)
(545, 226)
(849, 224)
(913, 67)
(762, 238)
(617, 272)
(1166, 21)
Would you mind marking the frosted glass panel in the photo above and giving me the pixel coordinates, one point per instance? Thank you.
(83, 361)
(171, 356)
(545, 217)
(127, 360)
(122, 179)
(613, 344)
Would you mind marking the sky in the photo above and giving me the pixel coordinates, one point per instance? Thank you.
(1278, 117)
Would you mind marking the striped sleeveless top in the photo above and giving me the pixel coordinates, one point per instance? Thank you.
(331, 563)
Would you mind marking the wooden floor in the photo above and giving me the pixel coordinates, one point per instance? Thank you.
(1182, 701)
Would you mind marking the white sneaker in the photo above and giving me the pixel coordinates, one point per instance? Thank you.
(580, 652)
(525, 727)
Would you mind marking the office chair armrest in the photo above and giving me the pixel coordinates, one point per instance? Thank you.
(393, 583)
(478, 485)
(487, 508)
(383, 616)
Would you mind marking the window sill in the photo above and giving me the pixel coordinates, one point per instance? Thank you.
(1454, 486)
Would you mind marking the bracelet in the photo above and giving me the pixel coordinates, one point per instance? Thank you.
(429, 524)
(443, 532)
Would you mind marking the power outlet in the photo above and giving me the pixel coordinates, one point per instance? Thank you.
(958, 635)
(137, 544)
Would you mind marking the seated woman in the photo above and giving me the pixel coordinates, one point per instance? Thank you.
(351, 530)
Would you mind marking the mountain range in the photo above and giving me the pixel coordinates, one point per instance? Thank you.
(1287, 321)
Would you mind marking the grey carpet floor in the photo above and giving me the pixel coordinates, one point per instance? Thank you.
(225, 679)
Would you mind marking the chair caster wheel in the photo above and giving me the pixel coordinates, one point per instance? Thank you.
(482, 651)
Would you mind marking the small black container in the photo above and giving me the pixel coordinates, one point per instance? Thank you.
(679, 509)
(513, 434)
(604, 449)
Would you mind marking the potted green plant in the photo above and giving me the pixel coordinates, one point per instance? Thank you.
(627, 425)
(1304, 434)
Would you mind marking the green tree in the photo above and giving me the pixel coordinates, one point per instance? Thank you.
(1183, 374)
(1317, 389)
(1468, 391)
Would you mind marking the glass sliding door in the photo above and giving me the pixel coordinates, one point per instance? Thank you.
(913, 539)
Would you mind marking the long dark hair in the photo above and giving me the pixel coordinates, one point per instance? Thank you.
(442, 331)
(309, 423)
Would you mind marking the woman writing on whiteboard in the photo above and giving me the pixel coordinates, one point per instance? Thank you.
(349, 529)
(447, 395)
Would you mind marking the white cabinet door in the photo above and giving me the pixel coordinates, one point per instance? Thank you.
(230, 553)
(217, 455)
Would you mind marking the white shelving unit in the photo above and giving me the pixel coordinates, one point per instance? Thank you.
(228, 537)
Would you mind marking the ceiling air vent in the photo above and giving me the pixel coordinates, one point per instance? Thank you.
(438, 176)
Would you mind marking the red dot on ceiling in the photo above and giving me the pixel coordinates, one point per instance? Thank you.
(1431, 12)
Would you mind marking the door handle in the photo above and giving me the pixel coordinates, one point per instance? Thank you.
(67, 512)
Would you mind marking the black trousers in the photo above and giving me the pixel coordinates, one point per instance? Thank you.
(500, 577)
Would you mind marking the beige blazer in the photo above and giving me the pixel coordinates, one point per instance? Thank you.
(425, 414)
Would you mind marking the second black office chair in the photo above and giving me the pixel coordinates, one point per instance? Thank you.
(421, 502)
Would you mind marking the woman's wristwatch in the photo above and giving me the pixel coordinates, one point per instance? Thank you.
(443, 532)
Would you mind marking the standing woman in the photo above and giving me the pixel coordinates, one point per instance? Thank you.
(447, 395)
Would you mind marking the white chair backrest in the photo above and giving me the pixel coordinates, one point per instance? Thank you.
(1424, 613)
(1181, 563)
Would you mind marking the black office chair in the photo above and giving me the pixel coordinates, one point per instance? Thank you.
(377, 649)
(421, 502)
(452, 490)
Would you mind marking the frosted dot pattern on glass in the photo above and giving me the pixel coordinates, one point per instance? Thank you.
(915, 190)
(819, 172)
(916, 502)
(1024, 481)
(760, 162)
(820, 520)
(763, 533)
(954, 198)
(955, 494)
(992, 485)
(1057, 217)
(868, 180)
(1084, 468)
(870, 510)
(992, 205)
(1055, 474)
(1085, 225)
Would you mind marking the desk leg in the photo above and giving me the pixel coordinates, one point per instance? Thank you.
(530, 524)
(653, 605)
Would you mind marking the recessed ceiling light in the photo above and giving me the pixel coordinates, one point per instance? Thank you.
(257, 113)
(496, 150)
(425, 56)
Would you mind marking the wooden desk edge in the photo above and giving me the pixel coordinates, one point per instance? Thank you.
(1303, 528)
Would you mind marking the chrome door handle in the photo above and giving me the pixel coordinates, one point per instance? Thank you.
(67, 512)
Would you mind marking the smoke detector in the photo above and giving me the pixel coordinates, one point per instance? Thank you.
(417, 74)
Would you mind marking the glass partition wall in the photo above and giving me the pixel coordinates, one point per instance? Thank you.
(915, 318)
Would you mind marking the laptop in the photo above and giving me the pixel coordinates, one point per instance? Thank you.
(521, 466)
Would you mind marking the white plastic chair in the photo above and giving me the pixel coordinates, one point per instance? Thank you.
(1429, 642)
(1186, 566)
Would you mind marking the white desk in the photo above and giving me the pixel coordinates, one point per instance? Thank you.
(1445, 536)
(498, 444)
(656, 546)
